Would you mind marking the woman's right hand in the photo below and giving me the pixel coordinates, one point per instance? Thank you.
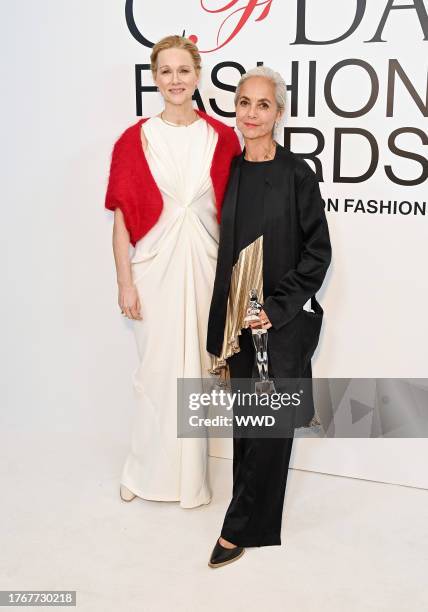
(129, 302)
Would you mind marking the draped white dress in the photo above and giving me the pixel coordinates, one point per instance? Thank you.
(173, 268)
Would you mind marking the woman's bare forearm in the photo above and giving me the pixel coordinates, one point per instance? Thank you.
(121, 250)
(128, 299)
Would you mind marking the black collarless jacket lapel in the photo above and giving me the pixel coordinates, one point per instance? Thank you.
(218, 309)
(225, 261)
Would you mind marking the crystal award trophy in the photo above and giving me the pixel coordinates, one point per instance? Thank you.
(260, 339)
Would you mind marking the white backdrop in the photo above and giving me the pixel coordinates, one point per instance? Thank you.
(70, 91)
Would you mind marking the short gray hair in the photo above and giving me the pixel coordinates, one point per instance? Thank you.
(275, 77)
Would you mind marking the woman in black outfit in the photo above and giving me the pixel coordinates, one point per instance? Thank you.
(274, 238)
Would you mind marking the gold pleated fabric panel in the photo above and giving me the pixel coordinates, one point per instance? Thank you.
(247, 274)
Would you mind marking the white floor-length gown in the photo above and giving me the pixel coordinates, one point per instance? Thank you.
(173, 268)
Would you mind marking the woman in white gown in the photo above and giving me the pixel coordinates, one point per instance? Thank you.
(166, 185)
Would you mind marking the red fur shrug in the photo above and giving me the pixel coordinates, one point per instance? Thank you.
(131, 185)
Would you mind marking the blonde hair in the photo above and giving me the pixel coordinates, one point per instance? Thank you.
(175, 42)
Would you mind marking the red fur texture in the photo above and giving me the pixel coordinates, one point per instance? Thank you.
(131, 185)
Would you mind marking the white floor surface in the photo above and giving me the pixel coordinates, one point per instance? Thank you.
(348, 545)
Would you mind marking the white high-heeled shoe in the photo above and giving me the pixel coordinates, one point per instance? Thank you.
(125, 494)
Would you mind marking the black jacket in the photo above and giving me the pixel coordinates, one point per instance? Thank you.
(296, 256)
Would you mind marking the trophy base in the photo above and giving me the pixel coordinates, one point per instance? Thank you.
(264, 386)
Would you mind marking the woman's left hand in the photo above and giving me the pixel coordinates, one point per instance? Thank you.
(262, 323)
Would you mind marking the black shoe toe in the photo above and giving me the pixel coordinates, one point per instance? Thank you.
(222, 556)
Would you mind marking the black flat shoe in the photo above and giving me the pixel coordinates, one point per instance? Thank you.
(222, 556)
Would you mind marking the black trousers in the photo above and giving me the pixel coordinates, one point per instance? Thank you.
(260, 469)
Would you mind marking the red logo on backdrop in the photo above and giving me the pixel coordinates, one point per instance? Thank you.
(257, 9)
